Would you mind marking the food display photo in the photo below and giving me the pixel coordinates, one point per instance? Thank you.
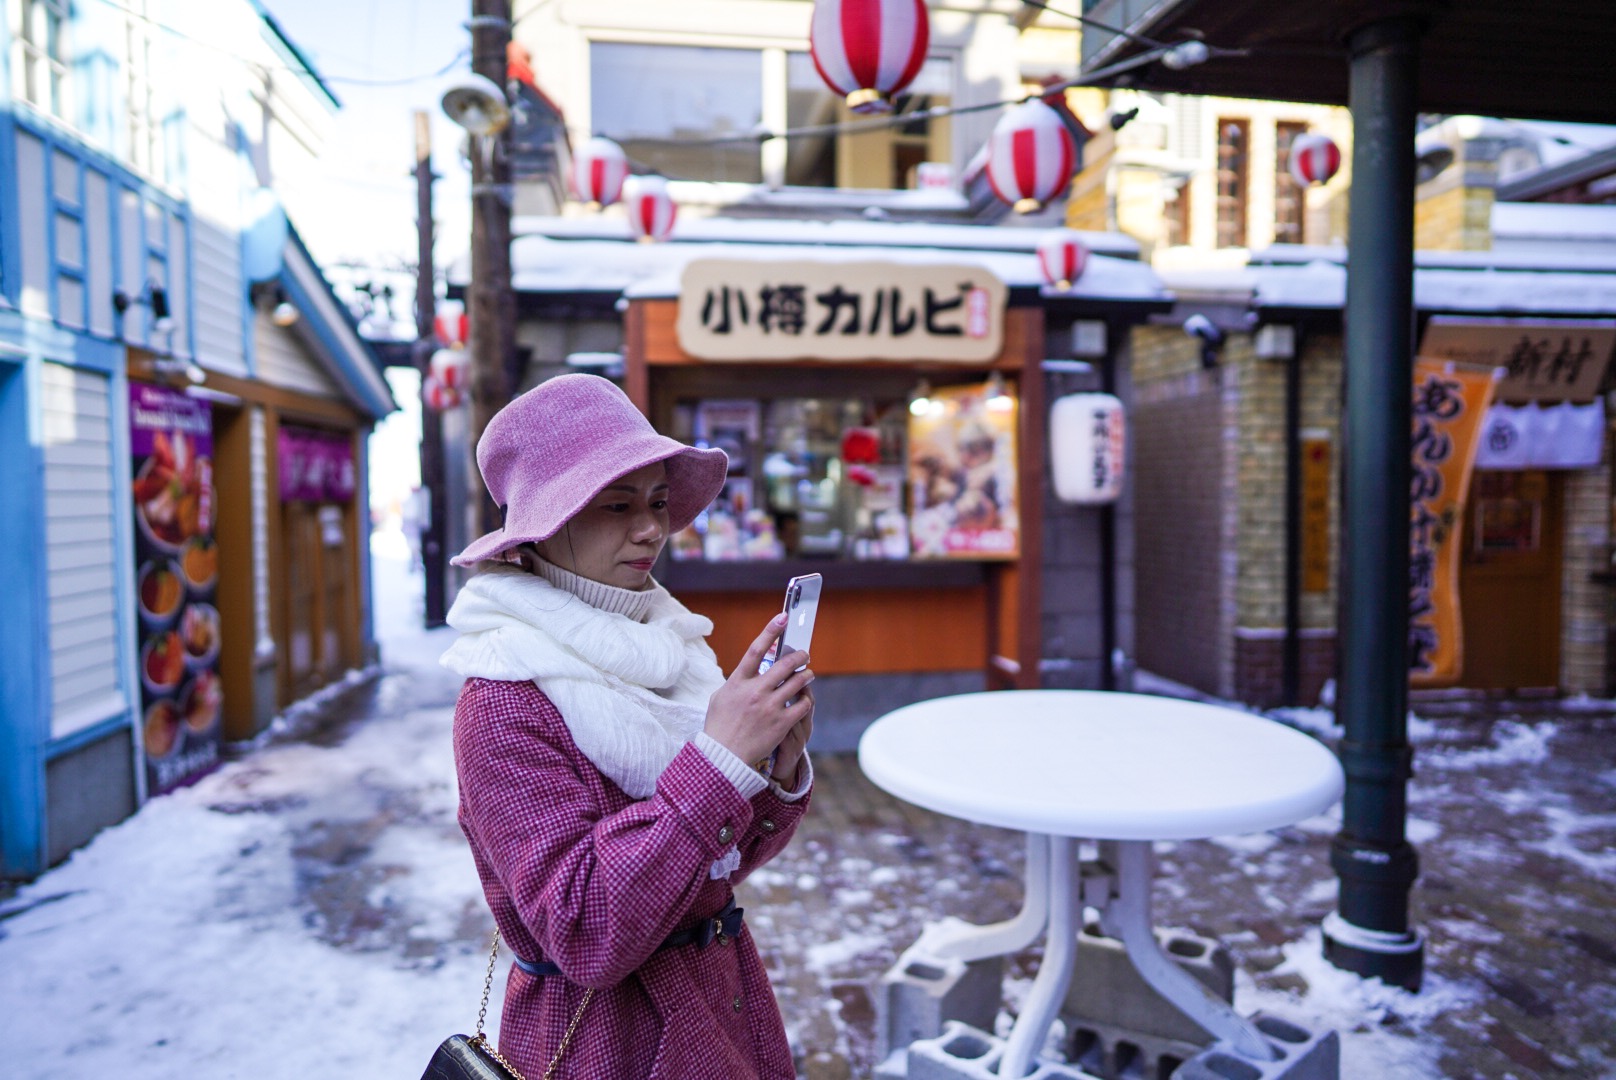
(177, 560)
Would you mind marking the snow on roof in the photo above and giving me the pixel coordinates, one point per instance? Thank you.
(571, 256)
(612, 226)
(1583, 222)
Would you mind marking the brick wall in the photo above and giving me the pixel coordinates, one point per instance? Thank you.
(1457, 219)
(1585, 604)
(1183, 489)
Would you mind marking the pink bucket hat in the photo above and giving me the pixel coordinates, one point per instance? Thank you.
(550, 451)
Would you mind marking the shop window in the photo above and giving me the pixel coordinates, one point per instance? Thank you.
(1290, 204)
(931, 473)
(40, 54)
(1234, 180)
(143, 129)
(1176, 211)
(1508, 511)
(810, 159)
(669, 105)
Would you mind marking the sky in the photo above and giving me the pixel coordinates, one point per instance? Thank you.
(384, 59)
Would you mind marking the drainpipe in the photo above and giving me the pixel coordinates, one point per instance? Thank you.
(1369, 932)
(1108, 534)
(1291, 656)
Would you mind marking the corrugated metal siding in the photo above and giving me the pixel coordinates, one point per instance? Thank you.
(285, 361)
(1186, 138)
(220, 294)
(80, 557)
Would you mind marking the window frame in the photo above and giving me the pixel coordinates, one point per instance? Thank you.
(1232, 192)
(40, 31)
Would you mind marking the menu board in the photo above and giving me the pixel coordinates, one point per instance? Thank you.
(176, 578)
(962, 473)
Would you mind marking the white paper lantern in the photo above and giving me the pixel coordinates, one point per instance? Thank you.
(651, 210)
(1087, 448)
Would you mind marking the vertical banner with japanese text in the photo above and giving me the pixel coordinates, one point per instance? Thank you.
(1450, 404)
(177, 572)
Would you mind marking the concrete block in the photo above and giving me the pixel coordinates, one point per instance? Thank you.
(963, 1052)
(1119, 1054)
(1304, 1055)
(919, 995)
(1107, 992)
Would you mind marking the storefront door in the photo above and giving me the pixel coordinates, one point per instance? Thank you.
(319, 596)
(1509, 581)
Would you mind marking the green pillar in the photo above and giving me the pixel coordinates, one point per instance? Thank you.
(1369, 933)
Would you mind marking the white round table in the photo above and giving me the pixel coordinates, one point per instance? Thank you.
(1123, 768)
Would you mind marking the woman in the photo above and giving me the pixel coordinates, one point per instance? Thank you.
(602, 754)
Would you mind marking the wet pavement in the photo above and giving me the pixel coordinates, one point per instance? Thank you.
(1513, 813)
(1514, 818)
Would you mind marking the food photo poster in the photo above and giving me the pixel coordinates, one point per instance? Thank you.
(177, 576)
(962, 473)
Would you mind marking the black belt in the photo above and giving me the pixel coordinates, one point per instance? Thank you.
(721, 927)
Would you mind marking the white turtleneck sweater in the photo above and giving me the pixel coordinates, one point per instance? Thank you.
(629, 669)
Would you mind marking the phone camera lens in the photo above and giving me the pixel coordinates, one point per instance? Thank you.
(796, 596)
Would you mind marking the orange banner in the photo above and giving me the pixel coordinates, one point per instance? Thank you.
(1449, 406)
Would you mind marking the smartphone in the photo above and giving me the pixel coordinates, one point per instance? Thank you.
(801, 608)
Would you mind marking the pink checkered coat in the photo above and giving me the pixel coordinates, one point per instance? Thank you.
(578, 873)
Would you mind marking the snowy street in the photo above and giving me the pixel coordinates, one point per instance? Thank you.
(311, 910)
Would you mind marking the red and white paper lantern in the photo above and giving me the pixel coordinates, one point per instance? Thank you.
(1031, 156)
(598, 171)
(651, 209)
(449, 367)
(1314, 159)
(437, 396)
(869, 50)
(452, 326)
(1062, 257)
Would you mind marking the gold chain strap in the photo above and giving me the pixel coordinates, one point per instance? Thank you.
(479, 1039)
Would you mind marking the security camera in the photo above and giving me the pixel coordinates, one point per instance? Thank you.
(1204, 328)
(1211, 338)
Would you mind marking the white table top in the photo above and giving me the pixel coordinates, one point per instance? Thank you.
(1099, 765)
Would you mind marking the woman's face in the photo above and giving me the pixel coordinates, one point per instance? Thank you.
(615, 539)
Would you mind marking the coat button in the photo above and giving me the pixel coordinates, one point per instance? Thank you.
(737, 1003)
(726, 834)
(767, 825)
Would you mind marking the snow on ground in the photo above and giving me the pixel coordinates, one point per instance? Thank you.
(311, 910)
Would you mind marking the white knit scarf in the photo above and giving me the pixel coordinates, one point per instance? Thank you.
(631, 693)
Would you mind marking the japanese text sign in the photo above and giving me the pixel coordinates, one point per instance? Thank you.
(1449, 406)
(315, 466)
(1543, 360)
(736, 309)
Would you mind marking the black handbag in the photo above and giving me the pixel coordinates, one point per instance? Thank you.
(474, 1058)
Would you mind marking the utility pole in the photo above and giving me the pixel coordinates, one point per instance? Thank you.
(433, 562)
(492, 306)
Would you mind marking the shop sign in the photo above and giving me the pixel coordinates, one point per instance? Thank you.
(1315, 520)
(315, 466)
(1450, 404)
(962, 474)
(1563, 436)
(177, 571)
(736, 309)
(1543, 360)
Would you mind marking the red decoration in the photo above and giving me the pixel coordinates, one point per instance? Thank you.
(861, 446)
(651, 209)
(452, 327)
(437, 396)
(1062, 257)
(1314, 159)
(449, 367)
(1031, 156)
(598, 171)
(869, 50)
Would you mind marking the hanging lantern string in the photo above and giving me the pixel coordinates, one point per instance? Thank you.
(856, 127)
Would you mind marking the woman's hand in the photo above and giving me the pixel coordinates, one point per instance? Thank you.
(792, 746)
(748, 715)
